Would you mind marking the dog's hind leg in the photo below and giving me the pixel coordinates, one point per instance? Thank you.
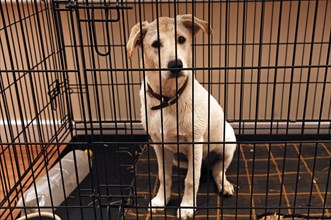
(164, 161)
(223, 185)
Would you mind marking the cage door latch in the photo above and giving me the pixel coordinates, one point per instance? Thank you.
(54, 91)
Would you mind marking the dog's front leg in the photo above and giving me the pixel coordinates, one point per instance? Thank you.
(164, 161)
(192, 181)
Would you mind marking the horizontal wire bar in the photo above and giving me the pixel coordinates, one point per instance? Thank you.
(76, 86)
(262, 142)
(216, 44)
(216, 68)
(176, 207)
(167, 69)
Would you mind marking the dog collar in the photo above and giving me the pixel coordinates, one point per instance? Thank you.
(165, 100)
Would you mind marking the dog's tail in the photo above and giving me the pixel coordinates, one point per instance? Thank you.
(182, 164)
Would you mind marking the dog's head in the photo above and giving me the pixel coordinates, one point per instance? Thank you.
(158, 41)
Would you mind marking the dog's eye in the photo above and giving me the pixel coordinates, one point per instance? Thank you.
(156, 44)
(181, 40)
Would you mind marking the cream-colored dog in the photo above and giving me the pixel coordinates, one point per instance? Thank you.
(161, 92)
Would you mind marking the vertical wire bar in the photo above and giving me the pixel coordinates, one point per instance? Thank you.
(161, 111)
(110, 80)
(252, 64)
(132, 75)
(193, 80)
(106, 44)
(106, 41)
(88, 106)
(286, 43)
(129, 100)
(236, 63)
(145, 107)
(219, 72)
(242, 80)
(302, 60)
(76, 65)
(51, 63)
(209, 94)
(226, 64)
(279, 176)
(290, 97)
(320, 56)
(42, 65)
(80, 83)
(177, 115)
(140, 79)
(273, 94)
(306, 103)
(269, 57)
(289, 102)
(220, 50)
(113, 82)
(257, 96)
(94, 58)
(276, 69)
(116, 110)
(63, 58)
(203, 44)
(130, 106)
(127, 93)
(326, 187)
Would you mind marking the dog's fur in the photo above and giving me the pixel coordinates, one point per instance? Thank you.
(144, 35)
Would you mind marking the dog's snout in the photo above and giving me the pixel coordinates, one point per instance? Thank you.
(175, 66)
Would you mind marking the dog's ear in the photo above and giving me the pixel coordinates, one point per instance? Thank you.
(136, 36)
(197, 24)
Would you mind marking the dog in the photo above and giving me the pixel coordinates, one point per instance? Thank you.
(168, 87)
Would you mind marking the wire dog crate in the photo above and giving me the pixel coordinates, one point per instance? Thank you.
(66, 84)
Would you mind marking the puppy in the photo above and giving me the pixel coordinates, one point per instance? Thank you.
(160, 92)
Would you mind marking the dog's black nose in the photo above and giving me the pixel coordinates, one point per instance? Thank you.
(175, 66)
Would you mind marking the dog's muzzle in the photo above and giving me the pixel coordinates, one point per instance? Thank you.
(175, 68)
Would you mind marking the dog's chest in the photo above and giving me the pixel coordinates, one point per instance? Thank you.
(169, 124)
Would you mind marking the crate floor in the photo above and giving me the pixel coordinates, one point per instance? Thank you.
(262, 178)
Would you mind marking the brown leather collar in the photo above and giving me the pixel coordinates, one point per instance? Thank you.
(165, 100)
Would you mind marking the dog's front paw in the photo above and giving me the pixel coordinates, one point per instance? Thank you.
(185, 213)
(227, 189)
(157, 205)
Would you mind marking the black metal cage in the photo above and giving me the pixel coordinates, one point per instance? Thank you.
(67, 84)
